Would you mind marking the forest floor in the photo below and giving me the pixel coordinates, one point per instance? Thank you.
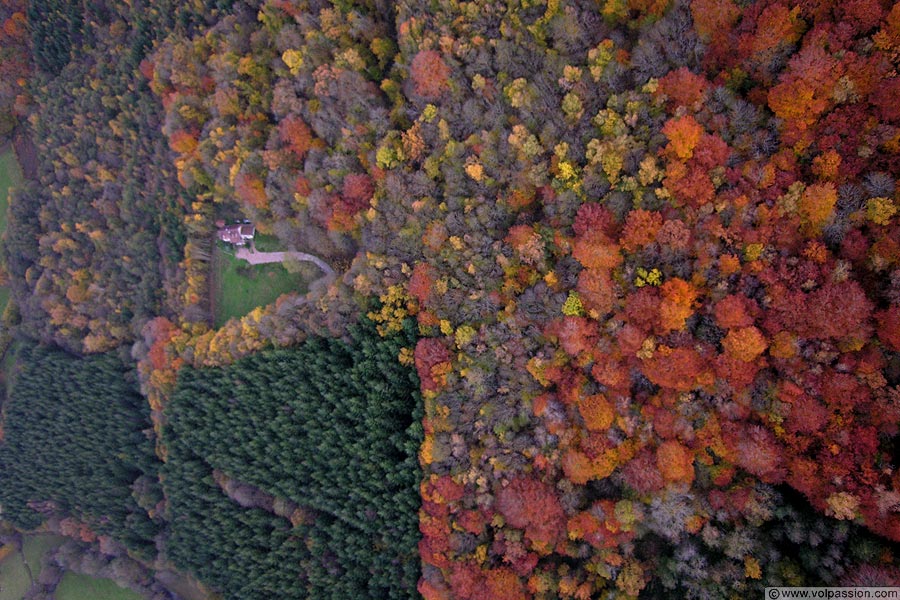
(239, 287)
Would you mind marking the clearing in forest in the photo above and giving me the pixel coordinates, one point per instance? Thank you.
(75, 586)
(10, 176)
(15, 581)
(238, 287)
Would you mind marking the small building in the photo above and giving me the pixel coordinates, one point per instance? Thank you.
(239, 234)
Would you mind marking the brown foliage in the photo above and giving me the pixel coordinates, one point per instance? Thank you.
(642, 474)
(595, 250)
(598, 412)
(683, 87)
(889, 327)
(182, 142)
(296, 134)
(429, 74)
(597, 289)
(678, 298)
(675, 462)
(745, 343)
(421, 282)
(533, 506)
(684, 134)
(430, 356)
(592, 216)
(836, 310)
(501, 584)
(713, 18)
(674, 368)
(251, 190)
(641, 227)
(731, 311)
(576, 334)
(357, 191)
(756, 451)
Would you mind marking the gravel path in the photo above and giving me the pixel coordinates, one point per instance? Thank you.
(259, 258)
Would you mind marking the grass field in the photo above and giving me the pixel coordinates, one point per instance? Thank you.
(35, 546)
(268, 243)
(75, 586)
(10, 176)
(14, 580)
(239, 287)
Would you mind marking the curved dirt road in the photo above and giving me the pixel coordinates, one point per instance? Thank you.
(259, 258)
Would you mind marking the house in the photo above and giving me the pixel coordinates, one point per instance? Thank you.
(238, 234)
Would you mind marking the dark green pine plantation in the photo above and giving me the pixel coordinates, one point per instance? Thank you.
(75, 445)
(331, 426)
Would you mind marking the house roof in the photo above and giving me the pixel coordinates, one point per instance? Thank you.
(237, 234)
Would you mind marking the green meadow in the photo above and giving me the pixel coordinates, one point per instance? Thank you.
(75, 586)
(10, 177)
(238, 287)
(15, 580)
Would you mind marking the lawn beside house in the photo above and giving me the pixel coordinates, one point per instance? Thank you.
(268, 243)
(239, 287)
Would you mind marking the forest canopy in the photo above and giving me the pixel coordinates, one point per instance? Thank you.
(642, 257)
(75, 446)
(294, 472)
